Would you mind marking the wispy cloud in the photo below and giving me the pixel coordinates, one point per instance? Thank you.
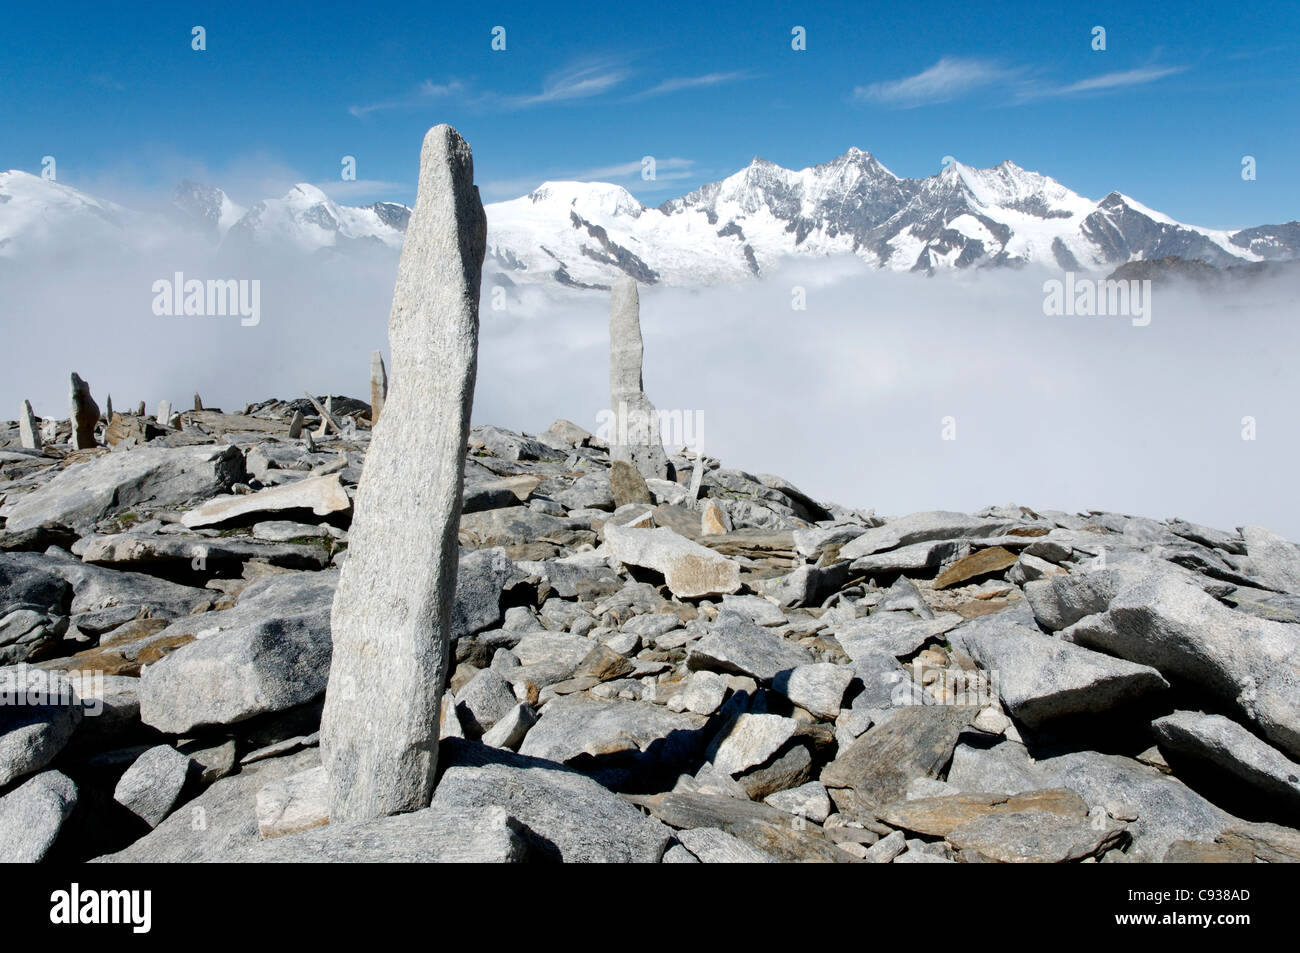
(426, 92)
(678, 83)
(945, 80)
(953, 77)
(105, 81)
(1106, 82)
(577, 82)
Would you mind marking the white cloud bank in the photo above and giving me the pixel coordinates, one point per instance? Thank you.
(846, 399)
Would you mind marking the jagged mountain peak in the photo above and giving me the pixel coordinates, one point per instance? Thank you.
(584, 234)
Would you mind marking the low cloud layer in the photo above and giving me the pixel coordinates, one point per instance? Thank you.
(847, 398)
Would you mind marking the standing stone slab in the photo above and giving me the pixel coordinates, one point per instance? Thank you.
(378, 386)
(635, 438)
(28, 431)
(85, 414)
(392, 613)
(164, 415)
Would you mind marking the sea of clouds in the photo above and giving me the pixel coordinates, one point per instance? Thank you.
(851, 398)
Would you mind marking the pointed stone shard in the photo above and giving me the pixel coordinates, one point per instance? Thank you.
(635, 438)
(28, 431)
(326, 412)
(85, 414)
(327, 418)
(392, 617)
(198, 401)
(140, 410)
(378, 386)
(295, 425)
(108, 408)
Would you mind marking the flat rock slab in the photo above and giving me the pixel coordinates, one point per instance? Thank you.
(133, 549)
(294, 804)
(738, 646)
(487, 835)
(578, 725)
(1167, 810)
(1274, 560)
(1163, 620)
(514, 525)
(1270, 843)
(269, 653)
(940, 816)
(691, 570)
(916, 742)
(87, 492)
(1226, 745)
(32, 814)
(980, 563)
(713, 846)
(1034, 837)
(922, 527)
(912, 558)
(1040, 677)
(321, 495)
(568, 816)
(897, 633)
(96, 588)
(219, 822)
(760, 826)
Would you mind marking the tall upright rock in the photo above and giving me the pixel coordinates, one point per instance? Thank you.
(635, 438)
(84, 412)
(378, 386)
(28, 432)
(392, 612)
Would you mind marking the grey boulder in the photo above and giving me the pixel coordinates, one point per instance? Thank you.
(87, 492)
(32, 814)
(269, 653)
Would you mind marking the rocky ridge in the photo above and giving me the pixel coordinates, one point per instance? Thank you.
(721, 669)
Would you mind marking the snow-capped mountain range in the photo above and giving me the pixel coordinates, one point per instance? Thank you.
(583, 234)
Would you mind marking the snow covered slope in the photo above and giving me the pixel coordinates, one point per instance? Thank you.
(584, 234)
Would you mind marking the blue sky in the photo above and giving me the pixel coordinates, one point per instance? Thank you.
(282, 93)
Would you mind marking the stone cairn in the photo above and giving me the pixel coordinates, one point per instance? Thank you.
(85, 414)
(378, 386)
(635, 439)
(392, 613)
